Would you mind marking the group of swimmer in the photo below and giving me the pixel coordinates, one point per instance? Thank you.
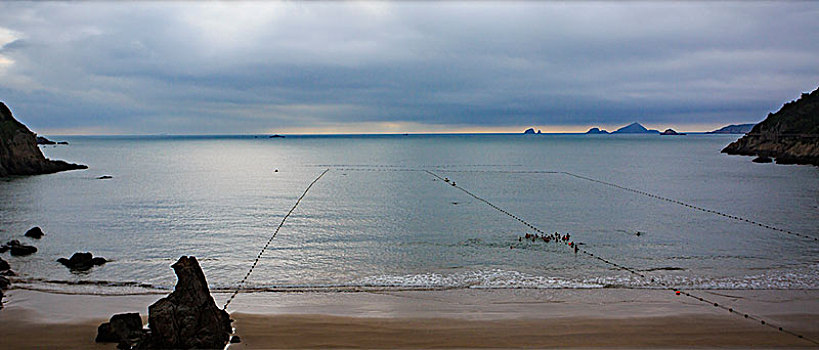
(555, 237)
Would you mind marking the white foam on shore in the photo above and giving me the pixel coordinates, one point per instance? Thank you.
(805, 278)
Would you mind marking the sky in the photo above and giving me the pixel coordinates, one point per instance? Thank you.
(396, 67)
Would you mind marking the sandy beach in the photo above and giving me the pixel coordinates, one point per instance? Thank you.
(596, 318)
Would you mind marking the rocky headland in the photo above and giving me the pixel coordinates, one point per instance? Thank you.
(733, 129)
(790, 136)
(19, 154)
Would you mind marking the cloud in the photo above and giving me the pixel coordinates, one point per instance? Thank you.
(241, 67)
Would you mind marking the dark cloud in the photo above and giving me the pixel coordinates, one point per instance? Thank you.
(252, 67)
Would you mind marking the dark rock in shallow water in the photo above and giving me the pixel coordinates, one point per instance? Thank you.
(44, 141)
(762, 159)
(82, 261)
(105, 177)
(235, 339)
(18, 248)
(35, 232)
(8, 273)
(121, 328)
(188, 317)
(4, 283)
(4, 265)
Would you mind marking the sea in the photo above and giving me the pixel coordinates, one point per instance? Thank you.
(406, 212)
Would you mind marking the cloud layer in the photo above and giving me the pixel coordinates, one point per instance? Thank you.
(92, 67)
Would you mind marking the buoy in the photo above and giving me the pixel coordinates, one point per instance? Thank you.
(678, 292)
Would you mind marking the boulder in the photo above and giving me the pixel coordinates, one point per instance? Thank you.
(122, 328)
(4, 265)
(82, 261)
(4, 283)
(18, 248)
(188, 318)
(35, 232)
(762, 159)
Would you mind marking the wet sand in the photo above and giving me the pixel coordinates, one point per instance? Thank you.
(445, 319)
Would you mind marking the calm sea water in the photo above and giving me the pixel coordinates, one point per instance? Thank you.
(376, 220)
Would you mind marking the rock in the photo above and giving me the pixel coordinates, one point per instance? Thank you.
(188, 317)
(8, 273)
(4, 283)
(44, 141)
(276, 136)
(18, 248)
(671, 132)
(19, 154)
(82, 261)
(62, 142)
(235, 339)
(35, 232)
(596, 131)
(529, 131)
(791, 135)
(4, 265)
(634, 128)
(762, 159)
(121, 328)
(104, 177)
(733, 129)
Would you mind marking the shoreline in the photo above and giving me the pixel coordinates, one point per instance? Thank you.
(453, 318)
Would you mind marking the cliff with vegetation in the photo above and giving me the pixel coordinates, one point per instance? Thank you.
(19, 154)
(790, 136)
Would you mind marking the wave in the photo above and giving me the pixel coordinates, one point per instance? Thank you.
(806, 278)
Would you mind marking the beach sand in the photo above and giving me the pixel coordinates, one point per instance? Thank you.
(467, 318)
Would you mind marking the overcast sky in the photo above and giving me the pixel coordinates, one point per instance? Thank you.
(360, 67)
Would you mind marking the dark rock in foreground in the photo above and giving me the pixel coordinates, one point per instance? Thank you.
(82, 261)
(188, 318)
(19, 154)
(124, 329)
(4, 283)
(35, 232)
(18, 248)
(791, 135)
(4, 265)
(733, 129)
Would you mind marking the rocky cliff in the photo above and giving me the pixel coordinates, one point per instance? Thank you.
(19, 154)
(791, 135)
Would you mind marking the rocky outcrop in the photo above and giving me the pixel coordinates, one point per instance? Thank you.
(790, 136)
(635, 128)
(124, 329)
(188, 318)
(4, 265)
(82, 261)
(671, 132)
(597, 131)
(733, 129)
(18, 248)
(19, 154)
(35, 232)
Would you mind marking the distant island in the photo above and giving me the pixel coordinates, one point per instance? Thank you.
(531, 131)
(19, 154)
(733, 129)
(791, 135)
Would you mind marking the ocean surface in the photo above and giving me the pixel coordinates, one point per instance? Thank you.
(378, 220)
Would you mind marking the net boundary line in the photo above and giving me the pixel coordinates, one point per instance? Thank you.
(630, 270)
(275, 232)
